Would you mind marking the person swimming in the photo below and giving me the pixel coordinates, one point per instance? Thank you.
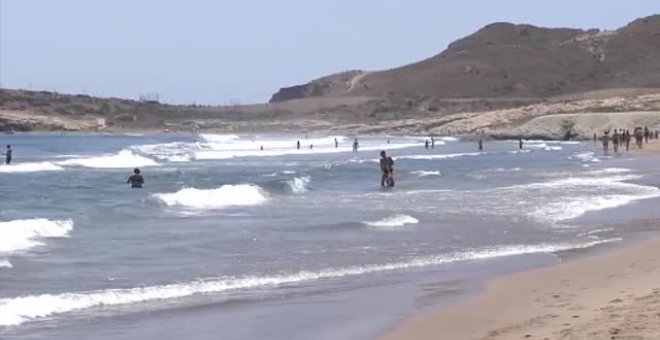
(136, 179)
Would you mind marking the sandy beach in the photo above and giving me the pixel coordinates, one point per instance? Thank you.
(611, 296)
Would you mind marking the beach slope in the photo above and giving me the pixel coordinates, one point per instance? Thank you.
(613, 296)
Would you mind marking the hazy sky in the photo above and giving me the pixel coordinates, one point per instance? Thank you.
(217, 51)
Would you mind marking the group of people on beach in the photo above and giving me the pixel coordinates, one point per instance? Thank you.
(622, 138)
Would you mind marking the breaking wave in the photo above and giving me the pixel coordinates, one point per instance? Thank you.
(443, 156)
(18, 310)
(298, 185)
(393, 221)
(30, 167)
(424, 173)
(125, 159)
(21, 235)
(222, 197)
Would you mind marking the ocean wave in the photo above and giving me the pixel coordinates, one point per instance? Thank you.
(125, 159)
(393, 221)
(4, 263)
(441, 156)
(609, 171)
(586, 157)
(573, 197)
(298, 185)
(30, 167)
(222, 197)
(21, 235)
(18, 310)
(424, 173)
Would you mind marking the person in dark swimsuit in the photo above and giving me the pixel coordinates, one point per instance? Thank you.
(387, 167)
(136, 179)
(8, 155)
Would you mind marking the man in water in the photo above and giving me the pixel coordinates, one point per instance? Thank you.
(481, 144)
(432, 143)
(8, 155)
(426, 144)
(298, 145)
(520, 143)
(356, 145)
(387, 167)
(606, 141)
(615, 141)
(136, 179)
(336, 143)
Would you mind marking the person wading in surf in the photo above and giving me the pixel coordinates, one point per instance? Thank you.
(387, 167)
(136, 179)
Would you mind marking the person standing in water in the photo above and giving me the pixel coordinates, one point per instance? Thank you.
(8, 154)
(520, 143)
(387, 167)
(336, 143)
(432, 143)
(136, 179)
(606, 142)
(298, 145)
(615, 141)
(481, 144)
(426, 144)
(356, 145)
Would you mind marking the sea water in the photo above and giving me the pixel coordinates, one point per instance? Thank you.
(230, 241)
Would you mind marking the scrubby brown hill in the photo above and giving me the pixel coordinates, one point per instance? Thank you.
(504, 60)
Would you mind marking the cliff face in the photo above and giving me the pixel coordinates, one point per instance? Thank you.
(516, 61)
(335, 84)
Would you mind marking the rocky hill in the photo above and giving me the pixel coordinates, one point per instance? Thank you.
(504, 60)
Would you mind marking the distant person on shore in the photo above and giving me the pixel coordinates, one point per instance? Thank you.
(311, 146)
(356, 145)
(298, 145)
(646, 134)
(136, 179)
(432, 143)
(426, 144)
(8, 154)
(615, 141)
(626, 139)
(262, 148)
(481, 144)
(605, 139)
(520, 143)
(595, 137)
(387, 167)
(336, 143)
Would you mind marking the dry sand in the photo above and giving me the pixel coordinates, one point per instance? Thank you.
(613, 296)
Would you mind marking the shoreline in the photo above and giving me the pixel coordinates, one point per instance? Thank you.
(610, 293)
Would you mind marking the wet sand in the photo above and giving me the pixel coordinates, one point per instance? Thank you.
(611, 296)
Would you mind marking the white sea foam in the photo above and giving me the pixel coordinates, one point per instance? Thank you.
(573, 197)
(122, 160)
(441, 156)
(29, 167)
(298, 185)
(585, 157)
(609, 171)
(424, 173)
(4, 263)
(449, 139)
(21, 235)
(225, 196)
(553, 148)
(18, 310)
(393, 221)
